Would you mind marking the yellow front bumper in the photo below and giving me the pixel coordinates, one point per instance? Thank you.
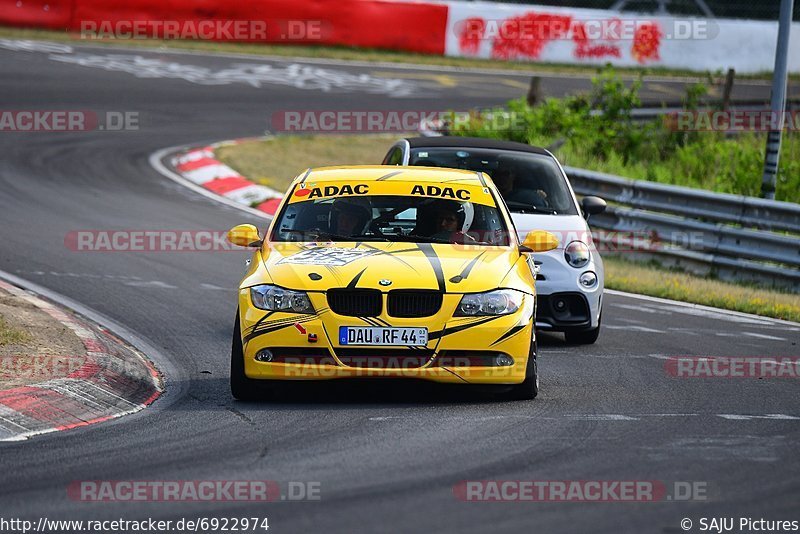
(509, 334)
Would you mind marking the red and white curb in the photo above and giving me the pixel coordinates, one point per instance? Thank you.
(114, 380)
(200, 166)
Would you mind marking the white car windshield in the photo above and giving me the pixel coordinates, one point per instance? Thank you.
(529, 183)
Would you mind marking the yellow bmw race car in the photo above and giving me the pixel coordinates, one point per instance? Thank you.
(385, 271)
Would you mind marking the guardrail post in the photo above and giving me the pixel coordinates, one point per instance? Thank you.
(534, 91)
(727, 89)
(779, 78)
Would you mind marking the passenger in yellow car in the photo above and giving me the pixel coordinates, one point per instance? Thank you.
(450, 220)
(348, 217)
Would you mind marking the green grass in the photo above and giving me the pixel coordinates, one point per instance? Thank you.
(655, 281)
(355, 54)
(732, 165)
(277, 160)
(11, 336)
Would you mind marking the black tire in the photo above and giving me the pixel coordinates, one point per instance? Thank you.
(529, 388)
(242, 388)
(583, 337)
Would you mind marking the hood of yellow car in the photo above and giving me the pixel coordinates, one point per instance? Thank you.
(388, 265)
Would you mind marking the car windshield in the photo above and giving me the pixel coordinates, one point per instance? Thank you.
(400, 218)
(529, 183)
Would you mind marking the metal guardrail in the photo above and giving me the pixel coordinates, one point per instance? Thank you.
(695, 203)
(731, 235)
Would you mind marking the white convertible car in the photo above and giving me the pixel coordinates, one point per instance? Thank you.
(539, 196)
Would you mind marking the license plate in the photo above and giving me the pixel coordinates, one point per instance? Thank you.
(374, 335)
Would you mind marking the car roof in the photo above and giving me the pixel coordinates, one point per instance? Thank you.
(371, 173)
(473, 142)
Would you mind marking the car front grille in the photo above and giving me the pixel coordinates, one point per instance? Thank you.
(355, 302)
(413, 303)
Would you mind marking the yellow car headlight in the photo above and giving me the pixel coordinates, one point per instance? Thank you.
(497, 302)
(274, 298)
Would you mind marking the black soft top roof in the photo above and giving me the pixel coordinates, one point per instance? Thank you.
(472, 142)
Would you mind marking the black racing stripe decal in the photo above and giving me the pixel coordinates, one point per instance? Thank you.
(460, 328)
(260, 320)
(427, 249)
(270, 324)
(381, 322)
(465, 273)
(391, 253)
(275, 328)
(331, 269)
(370, 321)
(354, 281)
(511, 332)
(387, 176)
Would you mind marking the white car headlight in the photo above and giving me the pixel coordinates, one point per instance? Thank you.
(497, 302)
(577, 254)
(274, 298)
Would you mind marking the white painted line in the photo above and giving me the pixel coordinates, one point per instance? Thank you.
(598, 417)
(763, 336)
(645, 309)
(635, 328)
(685, 306)
(17, 437)
(155, 284)
(603, 417)
(8, 412)
(772, 416)
(212, 287)
(667, 414)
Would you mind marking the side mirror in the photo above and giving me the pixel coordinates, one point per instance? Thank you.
(539, 241)
(244, 235)
(592, 206)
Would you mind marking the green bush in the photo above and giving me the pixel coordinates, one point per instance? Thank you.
(597, 131)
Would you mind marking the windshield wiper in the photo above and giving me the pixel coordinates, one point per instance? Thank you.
(427, 239)
(319, 234)
(523, 207)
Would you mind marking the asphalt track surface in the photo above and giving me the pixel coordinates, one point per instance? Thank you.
(387, 458)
